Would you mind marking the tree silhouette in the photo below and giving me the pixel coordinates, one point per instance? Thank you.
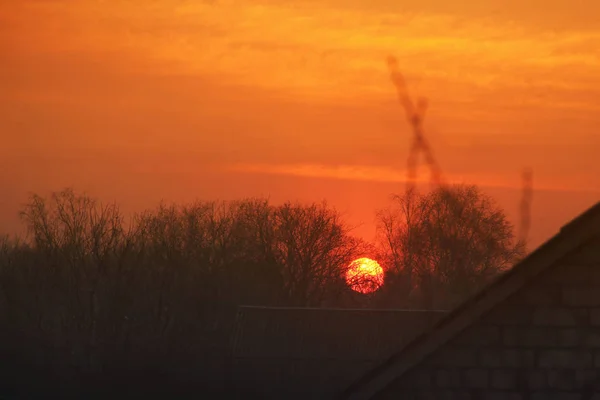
(445, 244)
(314, 248)
(92, 300)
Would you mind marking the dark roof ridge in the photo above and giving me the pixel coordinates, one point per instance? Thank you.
(340, 309)
(570, 236)
(582, 218)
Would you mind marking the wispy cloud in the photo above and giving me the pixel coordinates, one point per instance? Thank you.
(323, 50)
(495, 84)
(371, 173)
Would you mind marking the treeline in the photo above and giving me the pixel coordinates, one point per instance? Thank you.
(94, 302)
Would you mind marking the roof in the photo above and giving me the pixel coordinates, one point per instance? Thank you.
(571, 236)
(317, 350)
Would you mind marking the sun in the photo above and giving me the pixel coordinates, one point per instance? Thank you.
(364, 275)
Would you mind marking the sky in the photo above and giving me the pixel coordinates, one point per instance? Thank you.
(179, 100)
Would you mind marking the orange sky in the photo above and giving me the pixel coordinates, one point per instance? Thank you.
(220, 99)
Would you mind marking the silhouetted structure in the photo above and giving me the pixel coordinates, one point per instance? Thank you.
(533, 333)
(525, 205)
(312, 353)
(415, 115)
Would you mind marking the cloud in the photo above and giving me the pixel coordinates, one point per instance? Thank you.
(302, 83)
(383, 174)
(322, 49)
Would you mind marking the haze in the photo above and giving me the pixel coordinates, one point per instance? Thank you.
(178, 100)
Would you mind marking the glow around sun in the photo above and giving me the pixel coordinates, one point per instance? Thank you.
(364, 275)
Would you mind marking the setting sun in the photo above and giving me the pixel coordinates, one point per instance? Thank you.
(364, 275)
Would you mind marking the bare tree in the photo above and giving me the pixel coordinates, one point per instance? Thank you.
(55, 281)
(448, 243)
(107, 298)
(313, 247)
(397, 228)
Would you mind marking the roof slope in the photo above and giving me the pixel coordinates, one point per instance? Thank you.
(571, 236)
(281, 352)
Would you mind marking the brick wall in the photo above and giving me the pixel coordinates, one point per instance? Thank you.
(541, 343)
